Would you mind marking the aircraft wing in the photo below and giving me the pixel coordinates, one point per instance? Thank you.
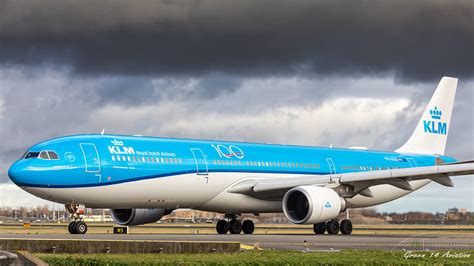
(356, 182)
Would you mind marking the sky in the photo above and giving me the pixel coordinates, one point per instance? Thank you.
(341, 73)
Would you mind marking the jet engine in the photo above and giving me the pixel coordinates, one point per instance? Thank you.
(312, 204)
(138, 216)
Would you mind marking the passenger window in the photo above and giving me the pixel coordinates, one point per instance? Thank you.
(44, 155)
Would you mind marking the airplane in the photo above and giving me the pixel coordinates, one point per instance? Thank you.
(141, 179)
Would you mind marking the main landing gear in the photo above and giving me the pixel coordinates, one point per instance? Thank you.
(77, 226)
(333, 227)
(233, 225)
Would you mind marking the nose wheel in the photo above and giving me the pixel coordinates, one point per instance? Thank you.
(77, 226)
(234, 226)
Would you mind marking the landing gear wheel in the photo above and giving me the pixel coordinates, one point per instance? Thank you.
(319, 228)
(77, 226)
(235, 227)
(222, 227)
(72, 228)
(248, 227)
(332, 227)
(346, 227)
(81, 228)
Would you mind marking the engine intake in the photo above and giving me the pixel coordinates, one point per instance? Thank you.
(138, 216)
(312, 204)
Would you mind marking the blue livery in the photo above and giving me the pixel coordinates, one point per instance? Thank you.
(101, 160)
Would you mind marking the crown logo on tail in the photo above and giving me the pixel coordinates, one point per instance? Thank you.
(436, 113)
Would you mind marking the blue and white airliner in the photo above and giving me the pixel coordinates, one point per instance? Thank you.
(142, 179)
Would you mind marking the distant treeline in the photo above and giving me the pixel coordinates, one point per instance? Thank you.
(46, 213)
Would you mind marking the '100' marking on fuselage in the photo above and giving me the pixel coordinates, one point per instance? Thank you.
(230, 151)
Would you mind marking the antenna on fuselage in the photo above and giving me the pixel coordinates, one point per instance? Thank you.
(103, 131)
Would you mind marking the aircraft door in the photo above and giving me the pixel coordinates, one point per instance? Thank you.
(332, 167)
(201, 163)
(91, 159)
(412, 162)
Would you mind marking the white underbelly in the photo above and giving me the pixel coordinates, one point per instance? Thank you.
(195, 191)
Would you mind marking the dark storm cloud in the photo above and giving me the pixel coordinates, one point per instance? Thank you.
(417, 40)
(138, 90)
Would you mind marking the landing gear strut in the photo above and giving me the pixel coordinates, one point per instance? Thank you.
(333, 227)
(233, 225)
(77, 226)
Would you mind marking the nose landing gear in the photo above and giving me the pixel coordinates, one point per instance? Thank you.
(233, 225)
(77, 226)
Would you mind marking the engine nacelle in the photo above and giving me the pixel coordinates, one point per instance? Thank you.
(312, 204)
(138, 216)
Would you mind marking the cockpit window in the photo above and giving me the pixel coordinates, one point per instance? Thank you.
(53, 155)
(30, 155)
(44, 155)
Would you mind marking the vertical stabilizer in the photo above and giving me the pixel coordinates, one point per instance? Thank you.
(431, 132)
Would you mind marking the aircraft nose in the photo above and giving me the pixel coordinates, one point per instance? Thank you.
(16, 172)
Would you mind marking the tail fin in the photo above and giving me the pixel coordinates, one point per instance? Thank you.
(431, 132)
